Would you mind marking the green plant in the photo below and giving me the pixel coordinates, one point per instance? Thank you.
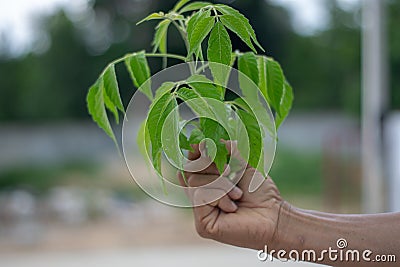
(195, 21)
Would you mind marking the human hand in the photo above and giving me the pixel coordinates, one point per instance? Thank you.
(239, 217)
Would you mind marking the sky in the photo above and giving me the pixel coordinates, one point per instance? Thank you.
(16, 18)
(308, 16)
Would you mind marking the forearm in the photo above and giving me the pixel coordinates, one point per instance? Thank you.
(306, 230)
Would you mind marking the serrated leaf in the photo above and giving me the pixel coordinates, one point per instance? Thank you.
(248, 65)
(214, 131)
(158, 113)
(227, 10)
(197, 33)
(254, 134)
(199, 105)
(262, 75)
(257, 109)
(193, 20)
(140, 72)
(96, 108)
(184, 142)
(169, 132)
(220, 51)
(219, 45)
(198, 78)
(194, 6)
(160, 37)
(159, 15)
(275, 84)
(237, 26)
(180, 4)
(143, 141)
(205, 87)
(111, 107)
(286, 104)
(248, 75)
(196, 136)
(111, 87)
(163, 89)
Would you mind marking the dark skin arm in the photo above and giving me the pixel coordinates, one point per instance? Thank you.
(254, 220)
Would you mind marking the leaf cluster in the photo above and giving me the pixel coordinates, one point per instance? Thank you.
(198, 22)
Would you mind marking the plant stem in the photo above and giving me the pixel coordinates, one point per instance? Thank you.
(119, 60)
(183, 34)
(166, 55)
(202, 68)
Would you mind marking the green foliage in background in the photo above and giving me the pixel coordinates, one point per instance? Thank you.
(325, 66)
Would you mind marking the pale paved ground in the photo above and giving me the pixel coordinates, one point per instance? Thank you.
(193, 256)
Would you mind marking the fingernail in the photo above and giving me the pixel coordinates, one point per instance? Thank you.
(237, 192)
(234, 206)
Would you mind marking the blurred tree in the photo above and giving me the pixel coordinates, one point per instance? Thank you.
(394, 52)
(324, 68)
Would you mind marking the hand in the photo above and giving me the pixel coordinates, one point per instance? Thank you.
(239, 217)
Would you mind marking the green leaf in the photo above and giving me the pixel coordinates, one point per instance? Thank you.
(198, 32)
(275, 84)
(199, 105)
(219, 45)
(140, 72)
(248, 76)
(169, 132)
(216, 132)
(193, 20)
(143, 141)
(160, 37)
(262, 74)
(96, 108)
(205, 107)
(194, 6)
(248, 65)
(204, 87)
(163, 89)
(180, 4)
(255, 108)
(184, 142)
(111, 87)
(227, 10)
(220, 51)
(286, 104)
(111, 107)
(254, 134)
(159, 15)
(236, 25)
(196, 136)
(158, 113)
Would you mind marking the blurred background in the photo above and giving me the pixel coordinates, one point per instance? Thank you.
(66, 196)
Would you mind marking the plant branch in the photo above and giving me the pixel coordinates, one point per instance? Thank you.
(166, 55)
(184, 36)
(182, 33)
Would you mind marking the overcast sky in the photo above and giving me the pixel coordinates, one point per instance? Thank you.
(16, 15)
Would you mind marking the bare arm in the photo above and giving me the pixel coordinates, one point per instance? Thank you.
(263, 218)
(374, 237)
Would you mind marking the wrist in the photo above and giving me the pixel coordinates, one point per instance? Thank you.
(280, 236)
